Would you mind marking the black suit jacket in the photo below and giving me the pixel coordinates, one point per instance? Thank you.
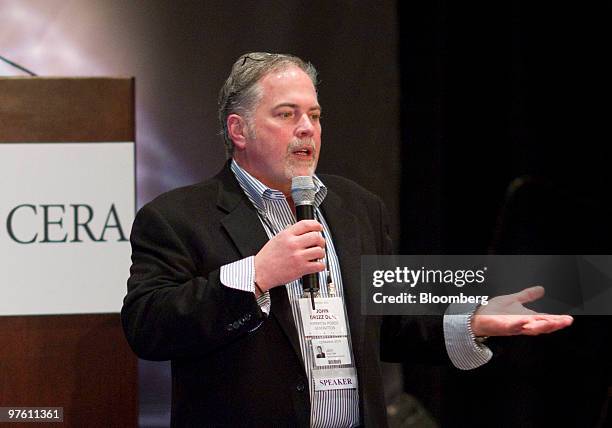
(176, 307)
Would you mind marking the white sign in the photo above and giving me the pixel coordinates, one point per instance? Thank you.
(66, 210)
(331, 379)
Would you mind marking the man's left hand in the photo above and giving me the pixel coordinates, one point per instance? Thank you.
(506, 316)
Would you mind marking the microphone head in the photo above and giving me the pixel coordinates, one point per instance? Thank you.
(303, 190)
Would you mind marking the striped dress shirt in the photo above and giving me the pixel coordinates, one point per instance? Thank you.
(336, 408)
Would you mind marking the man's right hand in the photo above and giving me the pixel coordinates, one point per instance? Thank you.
(291, 254)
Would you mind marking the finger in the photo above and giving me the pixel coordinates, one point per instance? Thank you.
(310, 239)
(546, 325)
(529, 294)
(314, 253)
(555, 318)
(535, 328)
(314, 267)
(305, 226)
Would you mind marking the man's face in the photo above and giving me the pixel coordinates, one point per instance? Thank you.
(285, 130)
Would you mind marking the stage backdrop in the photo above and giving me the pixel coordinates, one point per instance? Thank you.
(180, 53)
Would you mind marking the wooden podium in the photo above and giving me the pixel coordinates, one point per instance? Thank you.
(79, 362)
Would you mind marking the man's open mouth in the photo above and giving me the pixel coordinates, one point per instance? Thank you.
(304, 151)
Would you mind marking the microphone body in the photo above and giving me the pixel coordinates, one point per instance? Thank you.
(310, 282)
(302, 193)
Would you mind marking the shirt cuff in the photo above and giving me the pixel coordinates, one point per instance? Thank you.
(240, 275)
(463, 350)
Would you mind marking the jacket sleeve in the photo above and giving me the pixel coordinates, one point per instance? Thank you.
(408, 338)
(172, 309)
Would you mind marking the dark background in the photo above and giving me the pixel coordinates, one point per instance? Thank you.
(505, 112)
(492, 92)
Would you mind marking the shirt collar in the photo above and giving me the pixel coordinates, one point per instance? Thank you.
(257, 192)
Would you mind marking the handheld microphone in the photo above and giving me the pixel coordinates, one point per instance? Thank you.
(303, 195)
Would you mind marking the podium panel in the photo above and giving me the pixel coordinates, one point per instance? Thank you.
(72, 356)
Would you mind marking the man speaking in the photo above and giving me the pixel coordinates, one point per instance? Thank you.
(216, 280)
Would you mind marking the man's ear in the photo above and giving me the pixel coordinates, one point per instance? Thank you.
(237, 130)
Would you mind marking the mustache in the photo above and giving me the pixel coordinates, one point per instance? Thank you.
(297, 144)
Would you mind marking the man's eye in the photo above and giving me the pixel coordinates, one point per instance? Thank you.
(286, 114)
(315, 117)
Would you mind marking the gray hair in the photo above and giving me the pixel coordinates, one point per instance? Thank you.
(241, 93)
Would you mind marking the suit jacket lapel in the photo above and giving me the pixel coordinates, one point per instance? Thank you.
(345, 232)
(246, 231)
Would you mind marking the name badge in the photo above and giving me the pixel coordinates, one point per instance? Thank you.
(332, 351)
(326, 320)
(329, 380)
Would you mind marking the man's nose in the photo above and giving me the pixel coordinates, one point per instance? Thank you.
(305, 127)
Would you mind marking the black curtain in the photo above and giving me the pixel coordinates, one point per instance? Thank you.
(491, 92)
(505, 112)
